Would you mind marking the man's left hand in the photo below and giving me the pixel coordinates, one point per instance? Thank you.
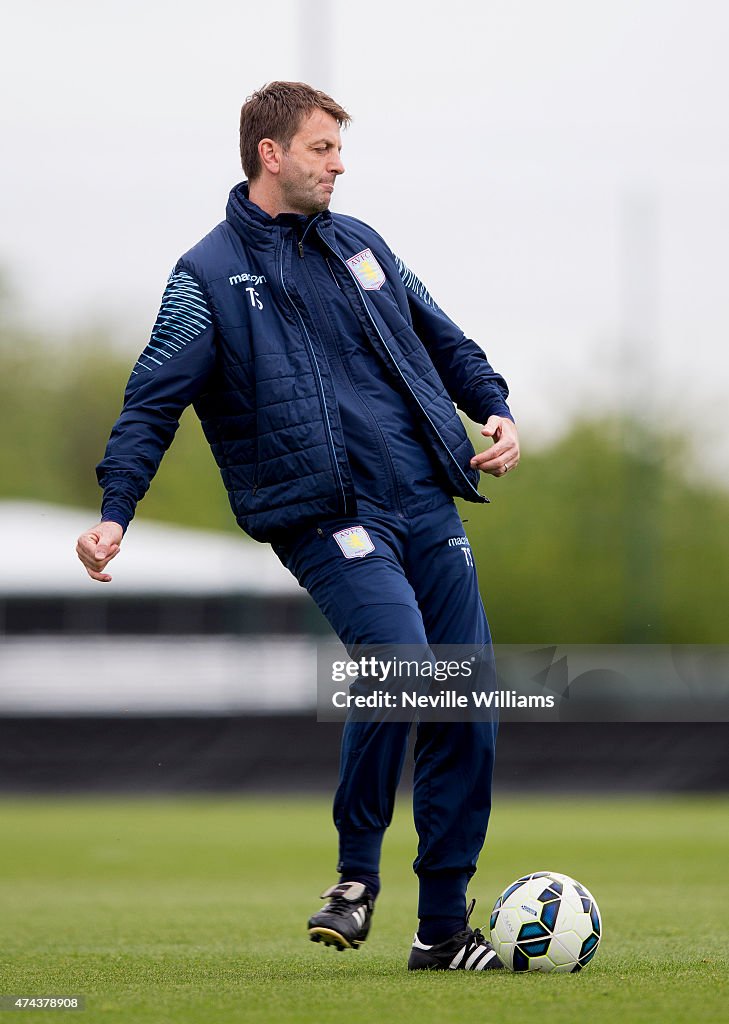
(503, 455)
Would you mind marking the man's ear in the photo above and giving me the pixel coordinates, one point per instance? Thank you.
(270, 154)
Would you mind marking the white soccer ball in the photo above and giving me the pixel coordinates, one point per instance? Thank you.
(545, 921)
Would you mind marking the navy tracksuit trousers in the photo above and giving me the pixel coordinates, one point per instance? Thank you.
(413, 588)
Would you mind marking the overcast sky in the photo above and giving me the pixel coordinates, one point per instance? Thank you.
(555, 170)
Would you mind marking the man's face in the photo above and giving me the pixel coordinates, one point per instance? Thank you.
(311, 164)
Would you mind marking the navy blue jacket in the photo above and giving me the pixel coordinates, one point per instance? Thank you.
(238, 337)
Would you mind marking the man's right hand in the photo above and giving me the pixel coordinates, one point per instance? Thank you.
(96, 548)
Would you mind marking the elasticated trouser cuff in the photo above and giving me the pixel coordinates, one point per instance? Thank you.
(443, 894)
(359, 851)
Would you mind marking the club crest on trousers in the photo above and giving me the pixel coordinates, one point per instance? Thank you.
(354, 542)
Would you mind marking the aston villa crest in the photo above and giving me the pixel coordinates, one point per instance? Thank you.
(354, 542)
(367, 270)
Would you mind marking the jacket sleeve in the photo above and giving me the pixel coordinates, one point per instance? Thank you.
(476, 388)
(168, 376)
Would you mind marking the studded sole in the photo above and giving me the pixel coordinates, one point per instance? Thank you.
(331, 938)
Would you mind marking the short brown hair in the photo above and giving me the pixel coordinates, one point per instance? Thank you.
(276, 112)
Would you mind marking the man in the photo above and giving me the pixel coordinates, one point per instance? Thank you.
(324, 376)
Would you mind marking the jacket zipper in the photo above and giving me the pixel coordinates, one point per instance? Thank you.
(329, 268)
(300, 242)
(320, 386)
(455, 462)
(383, 446)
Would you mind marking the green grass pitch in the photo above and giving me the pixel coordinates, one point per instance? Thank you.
(194, 909)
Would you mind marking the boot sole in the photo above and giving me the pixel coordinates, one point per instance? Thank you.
(331, 938)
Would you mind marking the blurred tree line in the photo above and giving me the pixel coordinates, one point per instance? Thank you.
(599, 537)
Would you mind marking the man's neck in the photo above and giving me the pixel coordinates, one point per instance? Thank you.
(267, 199)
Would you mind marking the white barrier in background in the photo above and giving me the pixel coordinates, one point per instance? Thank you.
(150, 675)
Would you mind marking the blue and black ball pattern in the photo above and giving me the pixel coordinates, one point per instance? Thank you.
(535, 936)
(509, 891)
(589, 946)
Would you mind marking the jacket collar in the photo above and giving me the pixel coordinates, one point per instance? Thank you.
(248, 219)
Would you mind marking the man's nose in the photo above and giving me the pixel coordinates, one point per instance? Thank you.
(336, 166)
